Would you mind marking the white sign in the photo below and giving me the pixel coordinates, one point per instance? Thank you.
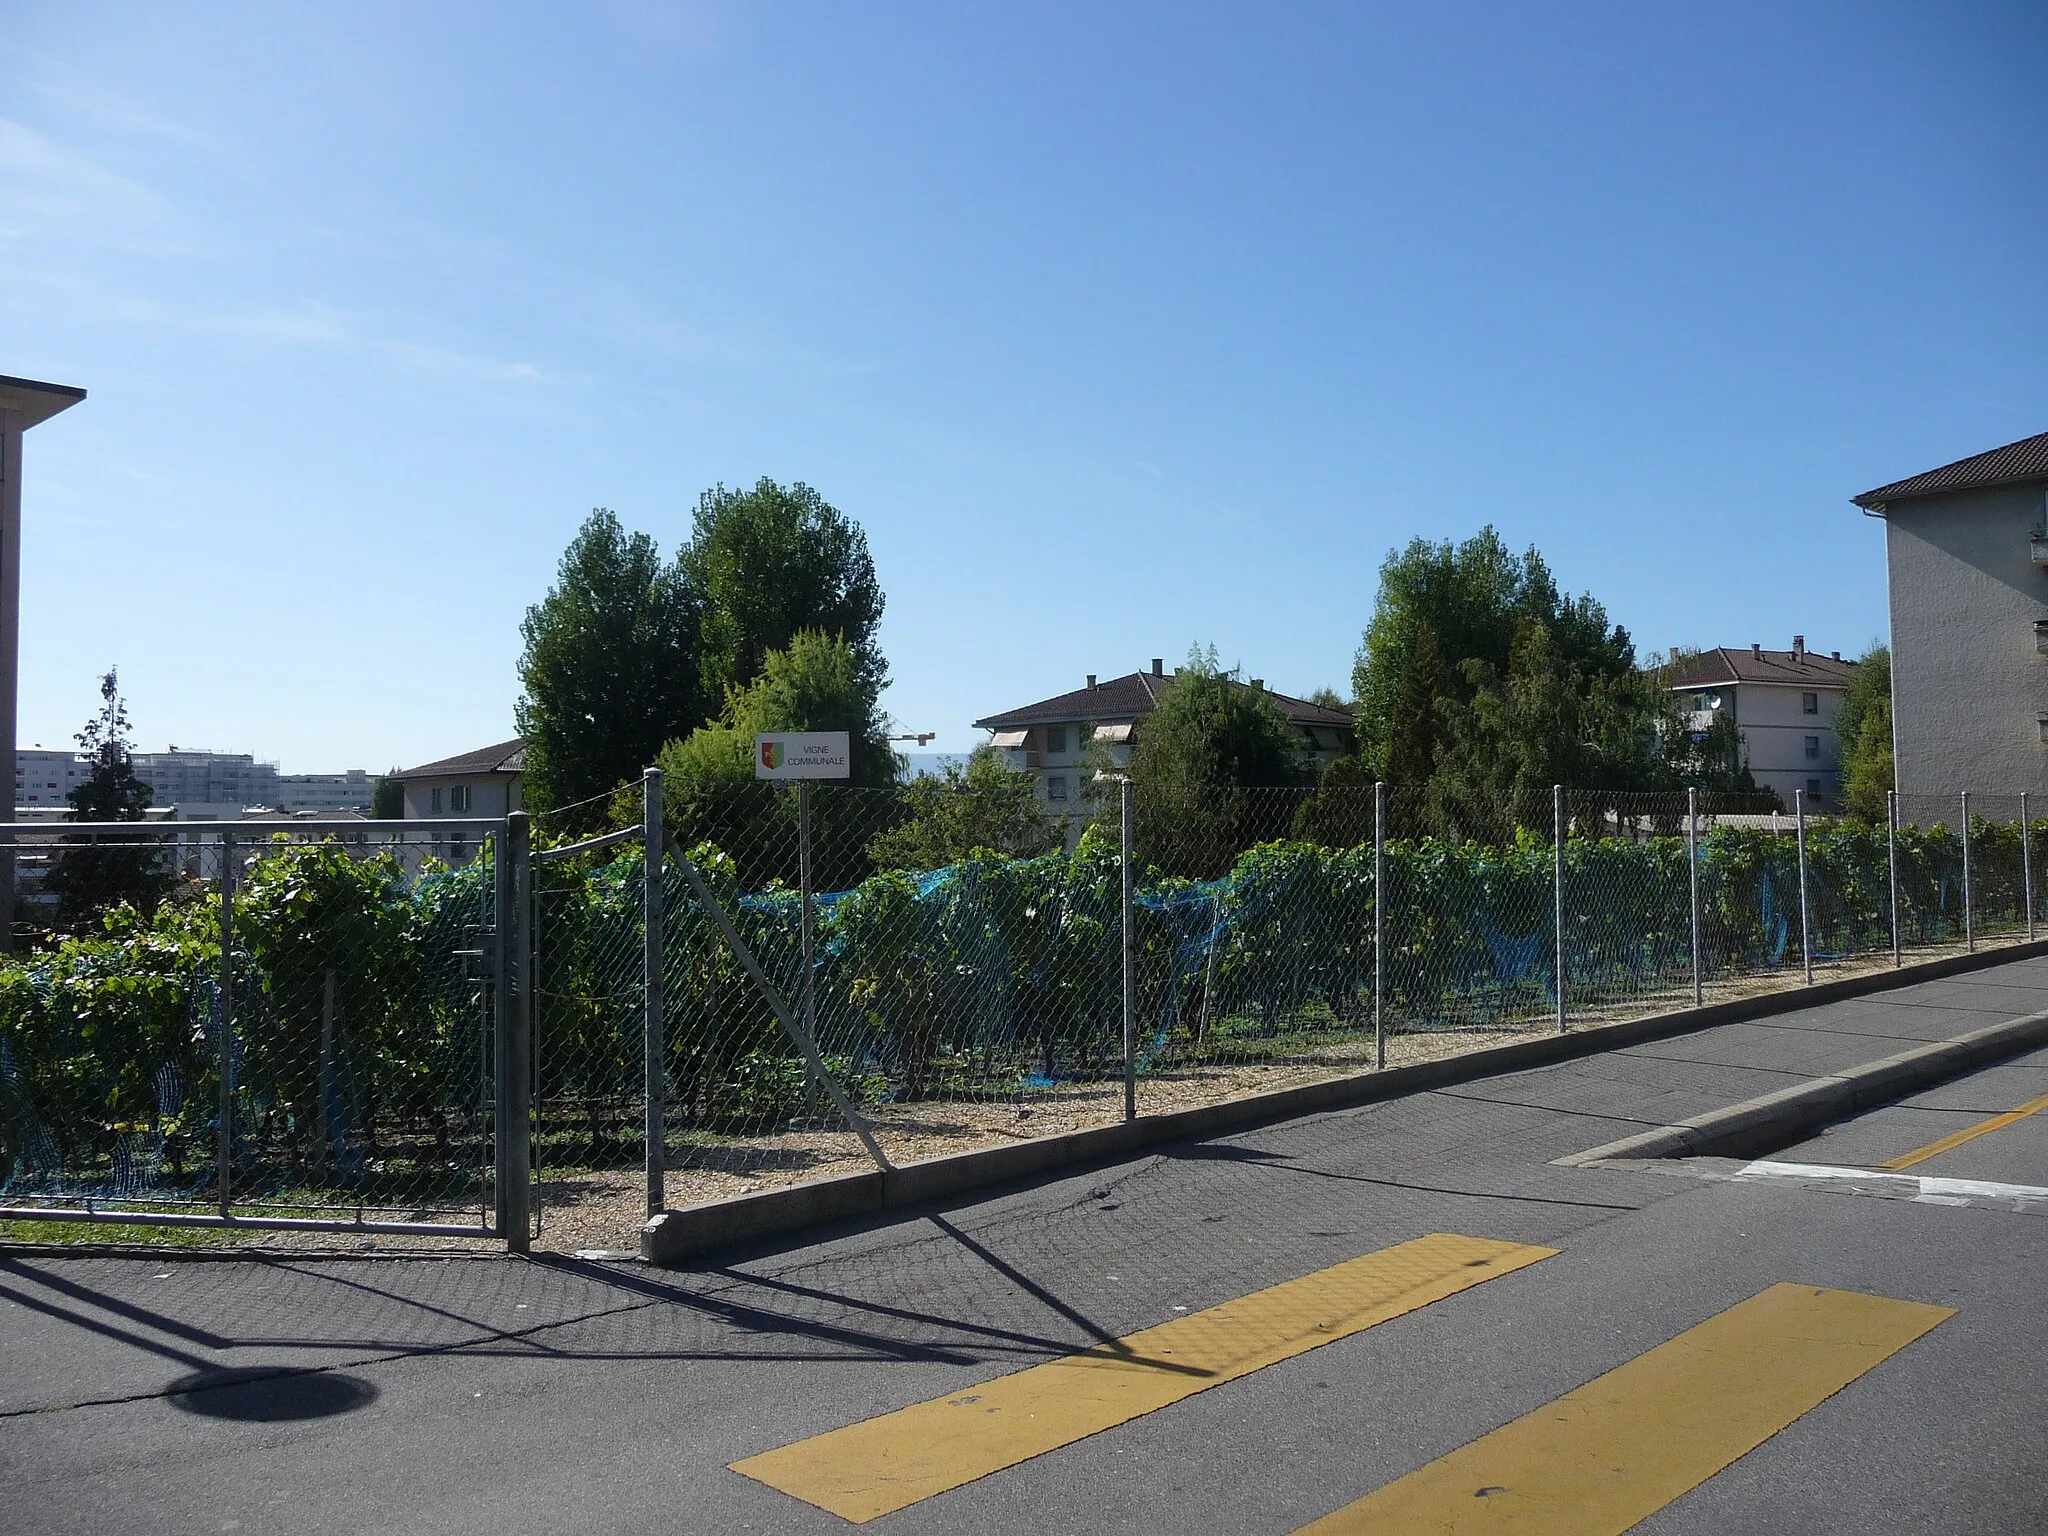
(803, 755)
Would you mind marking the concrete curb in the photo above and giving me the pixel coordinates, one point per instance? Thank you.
(676, 1236)
(1774, 1118)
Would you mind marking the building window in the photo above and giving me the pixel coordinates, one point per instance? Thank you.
(458, 797)
(1813, 786)
(435, 803)
(1056, 740)
(1809, 703)
(1056, 788)
(1813, 746)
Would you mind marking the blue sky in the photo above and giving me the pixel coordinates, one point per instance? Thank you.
(1118, 327)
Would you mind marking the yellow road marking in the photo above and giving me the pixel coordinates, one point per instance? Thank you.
(886, 1463)
(1968, 1133)
(1615, 1451)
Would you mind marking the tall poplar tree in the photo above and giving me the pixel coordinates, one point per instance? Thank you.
(611, 667)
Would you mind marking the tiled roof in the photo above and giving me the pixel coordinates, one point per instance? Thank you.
(1724, 665)
(2015, 463)
(505, 757)
(1135, 694)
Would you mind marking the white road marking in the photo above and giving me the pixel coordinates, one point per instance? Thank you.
(1925, 1188)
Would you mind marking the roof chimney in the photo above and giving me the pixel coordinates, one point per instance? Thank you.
(1799, 648)
(1091, 679)
(1756, 649)
(1834, 655)
(1258, 685)
(1158, 666)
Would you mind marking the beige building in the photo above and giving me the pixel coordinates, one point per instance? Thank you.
(1783, 704)
(1966, 558)
(1049, 737)
(486, 782)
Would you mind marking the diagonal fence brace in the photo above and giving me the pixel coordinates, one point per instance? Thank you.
(791, 1025)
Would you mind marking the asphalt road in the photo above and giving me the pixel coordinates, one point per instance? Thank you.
(508, 1395)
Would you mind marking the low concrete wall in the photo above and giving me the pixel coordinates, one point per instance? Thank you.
(675, 1236)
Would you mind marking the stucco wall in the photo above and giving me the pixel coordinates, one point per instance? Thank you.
(1775, 728)
(1969, 686)
(491, 794)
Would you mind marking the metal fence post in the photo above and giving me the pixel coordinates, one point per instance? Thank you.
(1805, 918)
(805, 885)
(653, 1028)
(1969, 906)
(1379, 923)
(1130, 955)
(512, 1058)
(224, 1130)
(1891, 855)
(2027, 863)
(1557, 893)
(1692, 869)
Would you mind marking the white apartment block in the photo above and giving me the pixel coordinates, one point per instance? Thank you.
(201, 786)
(187, 777)
(1783, 704)
(44, 778)
(346, 791)
(1050, 738)
(1966, 559)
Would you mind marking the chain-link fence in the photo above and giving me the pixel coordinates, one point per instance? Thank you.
(273, 1023)
(303, 1021)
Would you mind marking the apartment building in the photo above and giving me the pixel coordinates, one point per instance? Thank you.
(1783, 704)
(1049, 737)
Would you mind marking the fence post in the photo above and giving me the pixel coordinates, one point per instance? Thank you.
(1805, 918)
(323, 1119)
(512, 1058)
(1557, 893)
(1130, 942)
(654, 1032)
(224, 1130)
(1891, 855)
(1692, 868)
(1969, 906)
(2027, 863)
(806, 887)
(1379, 923)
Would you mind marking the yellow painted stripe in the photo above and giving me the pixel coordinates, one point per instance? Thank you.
(1600, 1459)
(886, 1463)
(1968, 1133)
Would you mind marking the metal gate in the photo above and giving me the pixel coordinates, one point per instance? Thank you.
(315, 1026)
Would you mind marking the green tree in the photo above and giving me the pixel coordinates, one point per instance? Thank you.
(1483, 685)
(982, 806)
(387, 799)
(710, 794)
(1341, 812)
(1442, 607)
(1210, 769)
(611, 667)
(1863, 726)
(1423, 703)
(89, 879)
(769, 562)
